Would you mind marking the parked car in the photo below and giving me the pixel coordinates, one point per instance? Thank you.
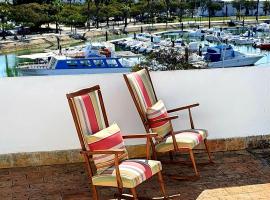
(6, 33)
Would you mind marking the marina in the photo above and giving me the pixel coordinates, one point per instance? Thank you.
(248, 47)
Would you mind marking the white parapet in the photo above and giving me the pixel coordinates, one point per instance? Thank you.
(34, 114)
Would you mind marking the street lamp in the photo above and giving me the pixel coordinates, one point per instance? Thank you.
(74, 26)
(3, 19)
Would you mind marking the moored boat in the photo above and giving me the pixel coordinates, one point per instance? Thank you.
(62, 65)
(224, 56)
(262, 46)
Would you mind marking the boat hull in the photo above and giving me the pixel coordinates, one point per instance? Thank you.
(45, 72)
(236, 62)
(264, 46)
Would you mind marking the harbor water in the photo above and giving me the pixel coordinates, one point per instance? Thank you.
(9, 61)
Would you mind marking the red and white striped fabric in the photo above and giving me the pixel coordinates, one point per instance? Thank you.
(108, 138)
(142, 88)
(133, 172)
(89, 113)
(155, 112)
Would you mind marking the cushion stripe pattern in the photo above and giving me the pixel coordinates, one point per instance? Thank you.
(142, 88)
(109, 138)
(159, 111)
(89, 113)
(132, 172)
(185, 139)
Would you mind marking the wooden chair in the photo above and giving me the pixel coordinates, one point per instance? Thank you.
(103, 148)
(155, 117)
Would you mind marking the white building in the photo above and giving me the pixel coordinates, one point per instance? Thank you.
(231, 11)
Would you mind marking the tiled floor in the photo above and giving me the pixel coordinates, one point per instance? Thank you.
(235, 175)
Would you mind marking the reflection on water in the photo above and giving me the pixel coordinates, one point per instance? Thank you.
(9, 61)
(7, 64)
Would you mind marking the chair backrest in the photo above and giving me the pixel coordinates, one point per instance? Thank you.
(88, 111)
(142, 91)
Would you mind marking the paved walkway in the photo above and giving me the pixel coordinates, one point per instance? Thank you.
(235, 175)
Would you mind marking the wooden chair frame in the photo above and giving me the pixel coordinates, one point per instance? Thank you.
(88, 155)
(147, 124)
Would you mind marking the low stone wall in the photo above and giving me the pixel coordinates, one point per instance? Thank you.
(73, 156)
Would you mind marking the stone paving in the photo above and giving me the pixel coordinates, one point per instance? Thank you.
(235, 175)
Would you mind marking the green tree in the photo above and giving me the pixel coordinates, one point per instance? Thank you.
(55, 10)
(136, 11)
(73, 15)
(4, 14)
(266, 7)
(179, 7)
(192, 6)
(238, 5)
(32, 14)
(167, 4)
(249, 5)
(98, 4)
(212, 8)
(257, 10)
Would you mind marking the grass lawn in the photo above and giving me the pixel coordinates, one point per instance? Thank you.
(222, 18)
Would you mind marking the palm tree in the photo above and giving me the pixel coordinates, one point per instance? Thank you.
(167, 3)
(212, 7)
(57, 6)
(88, 14)
(266, 7)
(98, 6)
(257, 12)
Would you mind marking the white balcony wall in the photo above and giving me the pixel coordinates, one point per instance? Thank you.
(34, 113)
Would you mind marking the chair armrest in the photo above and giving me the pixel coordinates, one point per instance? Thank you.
(111, 151)
(162, 119)
(136, 136)
(183, 108)
(116, 153)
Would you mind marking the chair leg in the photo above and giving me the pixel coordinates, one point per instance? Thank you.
(95, 193)
(134, 193)
(193, 162)
(161, 183)
(171, 155)
(208, 152)
(120, 191)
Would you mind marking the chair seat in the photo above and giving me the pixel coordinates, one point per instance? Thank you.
(132, 172)
(187, 139)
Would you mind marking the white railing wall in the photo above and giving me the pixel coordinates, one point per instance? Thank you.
(34, 113)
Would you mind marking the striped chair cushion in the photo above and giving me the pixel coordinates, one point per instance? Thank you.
(108, 138)
(89, 113)
(142, 88)
(155, 112)
(187, 139)
(132, 172)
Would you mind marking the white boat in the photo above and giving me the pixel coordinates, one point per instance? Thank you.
(178, 42)
(193, 46)
(60, 65)
(224, 56)
(248, 34)
(243, 40)
(217, 36)
(263, 27)
(143, 47)
(166, 42)
(152, 48)
(196, 33)
(147, 37)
